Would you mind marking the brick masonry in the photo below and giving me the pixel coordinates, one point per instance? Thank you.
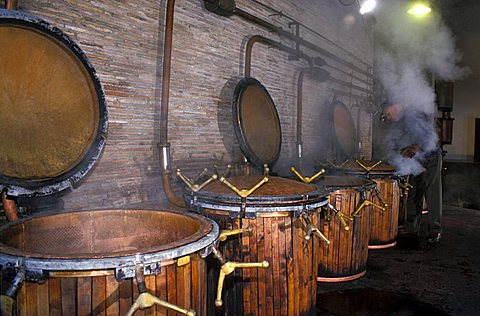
(124, 42)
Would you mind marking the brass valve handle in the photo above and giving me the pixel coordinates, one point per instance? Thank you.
(370, 168)
(224, 234)
(367, 203)
(243, 193)
(307, 179)
(338, 166)
(190, 183)
(227, 268)
(341, 217)
(312, 229)
(146, 300)
(380, 197)
(406, 186)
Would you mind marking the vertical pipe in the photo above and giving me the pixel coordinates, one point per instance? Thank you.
(11, 4)
(164, 145)
(299, 114)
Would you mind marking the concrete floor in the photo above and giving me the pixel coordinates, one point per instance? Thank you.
(416, 278)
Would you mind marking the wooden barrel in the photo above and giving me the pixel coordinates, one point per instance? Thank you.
(383, 225)
(288, 285)
(345, 258)
(84, 263)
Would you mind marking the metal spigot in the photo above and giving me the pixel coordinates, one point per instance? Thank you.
(191, 183)
(224, 234)
(367, 203)
(227, 268)
(312, 229)
(380, 197)
(368, 168)
(146, 300)
(243, 193)
(341, 216)
(307, 179)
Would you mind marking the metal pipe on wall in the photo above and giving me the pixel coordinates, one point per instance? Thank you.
(11, 4)
(164, 144)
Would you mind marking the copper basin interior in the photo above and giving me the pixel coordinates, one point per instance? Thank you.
(98, 234)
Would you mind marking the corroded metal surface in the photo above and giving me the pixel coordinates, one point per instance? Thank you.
(54, 116)
(256, 122)
(106, 234)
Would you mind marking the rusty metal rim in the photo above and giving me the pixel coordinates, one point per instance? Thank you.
(341, 279)
(385, 246)
(22, 187)
(258, 209)
(358, 188)
(39, 262)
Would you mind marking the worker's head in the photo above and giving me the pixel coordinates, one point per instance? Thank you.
(392, 111)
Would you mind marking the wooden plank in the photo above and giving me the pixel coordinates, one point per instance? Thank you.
(289, 248)
(112, 296)
(98, 295)
(253, 272)
(42, 299)
(283, 264)
(125, 294)
(171, 284)
(161, 290)
(55, 296)
(259, 234)
(277, 283)
(84, 296)
(269, 280)
(31, 298)
(180, 286)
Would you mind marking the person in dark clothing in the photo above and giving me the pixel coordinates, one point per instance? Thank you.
(414, 150)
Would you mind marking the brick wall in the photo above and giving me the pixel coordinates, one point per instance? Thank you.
(124, 42)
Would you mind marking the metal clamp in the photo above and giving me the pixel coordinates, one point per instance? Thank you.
(307, 179)
(191, 183)
(243, 193)
(380, 197)
(368, 168)
(337, 166)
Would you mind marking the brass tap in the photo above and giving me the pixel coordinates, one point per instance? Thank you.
(146, 300)
(224, 234)
(243, 193)
(307, 179)
(341, 217)
(367, 203)
(191, 183)
(312, 229)
(227, 268)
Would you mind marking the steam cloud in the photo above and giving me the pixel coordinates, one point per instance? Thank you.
(408, 50)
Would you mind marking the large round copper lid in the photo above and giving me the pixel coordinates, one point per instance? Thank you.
(104, 238)
(344, 129)
(54, 117)
(256, 123)
(370, 167)
(344, 182)
(275, 194)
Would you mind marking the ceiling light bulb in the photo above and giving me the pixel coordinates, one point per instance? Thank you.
(419, 9)
(367, 6)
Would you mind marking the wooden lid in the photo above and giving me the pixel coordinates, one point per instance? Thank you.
(54, 115)
(256, 123)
